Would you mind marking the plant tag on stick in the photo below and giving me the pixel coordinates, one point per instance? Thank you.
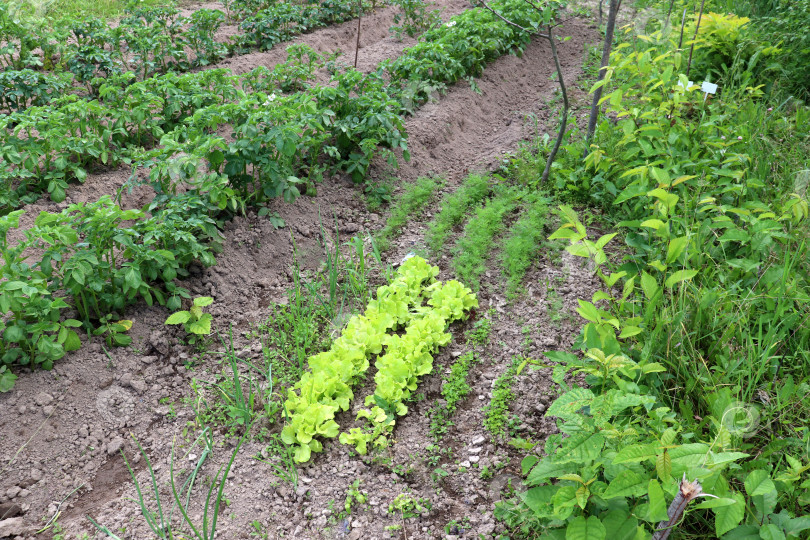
(708, 88)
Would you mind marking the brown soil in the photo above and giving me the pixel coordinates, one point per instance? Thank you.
(63, 429)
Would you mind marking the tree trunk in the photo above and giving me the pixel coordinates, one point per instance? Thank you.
(564, 121)
(611, 25)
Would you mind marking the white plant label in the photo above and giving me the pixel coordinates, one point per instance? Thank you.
(708, 88)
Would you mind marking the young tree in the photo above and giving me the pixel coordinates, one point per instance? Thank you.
(597, 95)
(549, 11)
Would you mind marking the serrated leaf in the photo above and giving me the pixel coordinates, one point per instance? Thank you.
(570, 402)
(546, 469)
(663, 466)
(581, 447)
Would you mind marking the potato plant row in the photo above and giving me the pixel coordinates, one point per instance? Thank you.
(101, 258)
(327, 387)
(148, 41)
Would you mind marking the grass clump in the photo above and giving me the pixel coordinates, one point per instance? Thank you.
(471, 250)
(524, 241)
(453, 209)
(408, 204)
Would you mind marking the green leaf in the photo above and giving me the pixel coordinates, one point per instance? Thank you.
(620, 524)
(203, 301)
(201, 327)
(636, 453)
(14, 334)
(72, 342)
(758, 482)
(7, 379)
(581, 528)
(628, 483)
(649, 285)
(676, 247)
(771, 532)
(178, 318)
(728, 517)
(679, 276)
(658, 504)
(570, 403)
(546, 469)
(716, 503)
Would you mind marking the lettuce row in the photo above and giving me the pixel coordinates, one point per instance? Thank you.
(326, 388)
(407, 358)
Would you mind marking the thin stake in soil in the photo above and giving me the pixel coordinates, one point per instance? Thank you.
(359, 20)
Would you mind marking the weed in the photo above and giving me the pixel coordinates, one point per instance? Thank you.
(378, 193)
(454, 208)
(407, 205)
(496, 419)
(408, 506)
(478, 335)
(195, 321)
(454, 389)
(354, 496)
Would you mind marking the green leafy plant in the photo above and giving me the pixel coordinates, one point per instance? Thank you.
(408, 506)
(114, 332)
(414, 16)
(195, 320)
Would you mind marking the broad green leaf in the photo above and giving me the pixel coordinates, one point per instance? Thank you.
(72, 342)
(758, 482)
(581, 528)
(771, 532)
(547, 469)
(649, 285)
(636, 453)
(588, 311)
(689, 455)
(570, 402)
(728, 517)
(716, 503)
(620, 525)
(7, 379)
(203, 301)
(679, 276)
(676, 247)
(658, 505)
(581, 448)
(178, 318)
(627, 484)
